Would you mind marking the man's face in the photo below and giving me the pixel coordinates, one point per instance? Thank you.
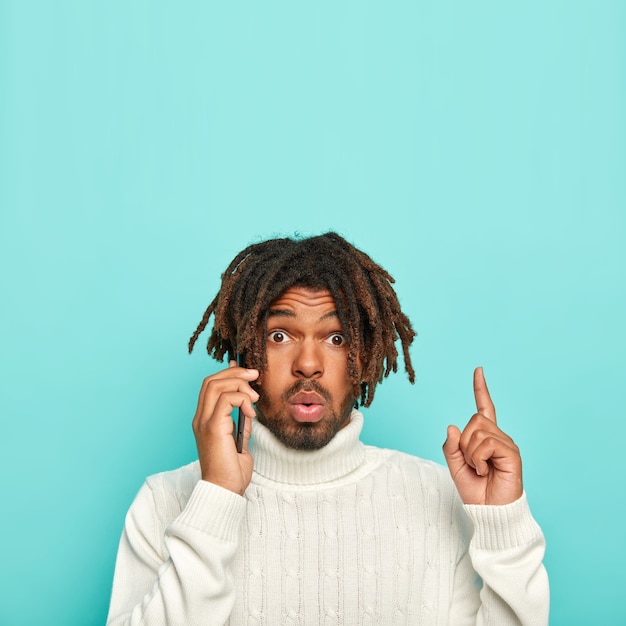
(306, 395)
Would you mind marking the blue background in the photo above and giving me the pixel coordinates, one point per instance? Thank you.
(477, 150)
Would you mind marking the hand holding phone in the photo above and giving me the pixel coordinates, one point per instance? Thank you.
(221, 393)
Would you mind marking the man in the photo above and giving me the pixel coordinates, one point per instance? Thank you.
(307, 525)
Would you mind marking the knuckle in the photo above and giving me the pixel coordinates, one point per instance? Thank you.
(481, 418)
(211, 383)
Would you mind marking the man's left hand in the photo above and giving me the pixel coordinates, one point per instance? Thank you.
(484, 462)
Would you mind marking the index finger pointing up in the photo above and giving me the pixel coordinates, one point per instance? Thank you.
(484, 405)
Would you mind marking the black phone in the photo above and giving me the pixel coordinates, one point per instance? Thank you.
(241, 418)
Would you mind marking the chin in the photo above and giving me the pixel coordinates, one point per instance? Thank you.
(302, 436)
(305, 436)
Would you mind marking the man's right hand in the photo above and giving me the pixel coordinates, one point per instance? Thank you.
(220, 395)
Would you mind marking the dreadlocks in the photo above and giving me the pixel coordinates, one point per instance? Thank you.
(366, 302)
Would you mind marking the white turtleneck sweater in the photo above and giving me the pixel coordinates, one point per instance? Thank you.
(349, 534)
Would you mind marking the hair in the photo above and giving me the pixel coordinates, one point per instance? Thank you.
(367, 305)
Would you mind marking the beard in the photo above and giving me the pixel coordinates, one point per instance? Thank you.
(304, 435)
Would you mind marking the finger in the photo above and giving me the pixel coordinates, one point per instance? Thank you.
(247, 431)
(232, 372)
(491, 450)
(484, 405)
(452, 450)
(477, 430)
(213, 389)
(220, 419)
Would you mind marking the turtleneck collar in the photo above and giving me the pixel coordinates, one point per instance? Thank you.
(275, 462)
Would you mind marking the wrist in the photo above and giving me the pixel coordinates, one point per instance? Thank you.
(502, 526)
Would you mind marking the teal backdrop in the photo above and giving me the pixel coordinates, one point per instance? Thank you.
(475, 149)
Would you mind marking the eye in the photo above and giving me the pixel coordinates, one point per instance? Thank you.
(337, 340)
(277, 336)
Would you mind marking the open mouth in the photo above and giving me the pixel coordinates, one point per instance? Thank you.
(307, 406)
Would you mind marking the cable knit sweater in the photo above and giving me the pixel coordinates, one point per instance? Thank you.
(349, 534)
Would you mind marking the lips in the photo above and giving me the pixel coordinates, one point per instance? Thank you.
(307, 397)
(307, 406)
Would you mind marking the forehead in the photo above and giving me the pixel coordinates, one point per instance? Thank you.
(298, 301)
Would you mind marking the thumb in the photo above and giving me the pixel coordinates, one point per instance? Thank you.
(247, 431)
(452, 450)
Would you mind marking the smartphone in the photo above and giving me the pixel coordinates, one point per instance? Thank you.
(241, 418)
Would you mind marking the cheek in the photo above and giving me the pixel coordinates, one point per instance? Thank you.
(280, 360)
(342, 383)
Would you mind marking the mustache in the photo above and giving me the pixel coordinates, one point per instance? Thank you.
(306, 385)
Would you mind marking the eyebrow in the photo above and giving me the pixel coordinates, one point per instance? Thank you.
(288, 313)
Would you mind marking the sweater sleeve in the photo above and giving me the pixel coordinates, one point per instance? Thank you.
(506, 551)
(178, 573)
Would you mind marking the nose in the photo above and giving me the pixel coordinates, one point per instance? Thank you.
(308, 361)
